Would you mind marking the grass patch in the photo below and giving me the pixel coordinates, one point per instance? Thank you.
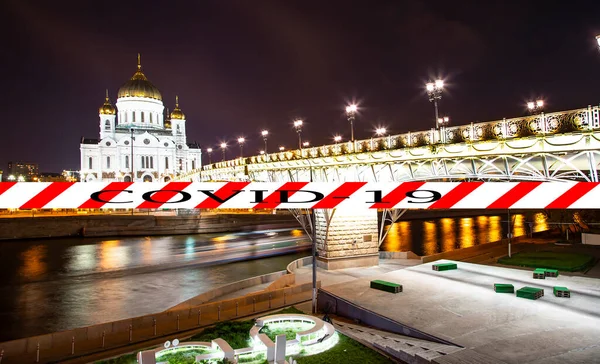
(274, 329)
(567, 262)
(182, 356)
(346, 351)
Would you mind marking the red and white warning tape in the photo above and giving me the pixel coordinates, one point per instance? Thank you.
(256, 195)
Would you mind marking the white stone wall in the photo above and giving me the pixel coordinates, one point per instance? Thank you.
(348, 235)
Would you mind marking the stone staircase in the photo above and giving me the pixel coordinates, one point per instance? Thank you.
(405, 349)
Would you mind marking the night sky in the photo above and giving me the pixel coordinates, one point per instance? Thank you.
(241, 66)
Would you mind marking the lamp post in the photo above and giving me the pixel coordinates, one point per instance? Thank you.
(380, 131)
(262, 152)
(209, 151)
(434, 92)
(442, 122)
(241, 142)
(337, 139)
(265, 134)
(351, 113)
(281, 149)
(306, 144)
(223, 147)
(298, 126)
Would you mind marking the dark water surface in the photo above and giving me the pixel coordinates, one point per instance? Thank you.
(60, 284)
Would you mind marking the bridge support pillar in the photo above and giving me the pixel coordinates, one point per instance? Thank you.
(347, 238)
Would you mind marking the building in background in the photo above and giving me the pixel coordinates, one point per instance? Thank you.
(23, 172)
(51, 177)
(71, 176)
(137, 141)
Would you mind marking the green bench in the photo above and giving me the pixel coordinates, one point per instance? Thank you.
(551, 272)
(539, 273)
(386, 286)
(562, 292)
(504, 288)
(531, 293)
(444, 266)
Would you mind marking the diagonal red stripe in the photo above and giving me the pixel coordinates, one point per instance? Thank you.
(4, 186)
(338, 195)
(223, 193)
(572, 195)
(515, 194)
(165, 194)
(46, 195)
(454, 195)
(113, 189)
(272, 201)
(397, 195)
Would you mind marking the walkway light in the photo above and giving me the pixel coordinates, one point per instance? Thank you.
(434, 92)
(298, 126)
(351, 112)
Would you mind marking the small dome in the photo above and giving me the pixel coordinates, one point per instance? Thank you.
(107, 108)
(139, 86)
(177, 113)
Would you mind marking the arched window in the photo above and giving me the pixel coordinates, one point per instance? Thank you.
(126, 161)
(180, 164)
(107, 162)
(143, 116)
(127, 179)
(152, 162)
(107, 125)
(150, 118)
(166, 162)
(133, 117)
(143, 162)
(90, 164)
(193, 164)
(178, 129)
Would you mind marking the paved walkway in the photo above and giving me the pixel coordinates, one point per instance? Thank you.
(461, 306)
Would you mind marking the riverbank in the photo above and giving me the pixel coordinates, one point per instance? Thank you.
(138, 225)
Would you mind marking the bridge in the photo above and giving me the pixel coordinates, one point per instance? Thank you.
(555, 146)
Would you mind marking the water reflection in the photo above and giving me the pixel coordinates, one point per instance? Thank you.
(445, 234)
(33, 262)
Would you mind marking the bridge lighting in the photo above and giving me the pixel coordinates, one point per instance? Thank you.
(598, 39)
(380, 131)
(262, 152)
(298, 126)
(337, 139)
(306, 144)
(264, 134)
(434, 92)
(443, 121)
(209, 151)
(223, 147)
(281, 149)
(351, 112)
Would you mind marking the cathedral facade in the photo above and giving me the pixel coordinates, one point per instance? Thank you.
(138, 142)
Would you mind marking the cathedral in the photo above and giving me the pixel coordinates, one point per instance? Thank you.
(138, 141)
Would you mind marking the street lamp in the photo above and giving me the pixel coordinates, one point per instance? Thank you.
(306, 144)
(351, 112)
(281, 149)
(223, 147)
(209, 151)
(535, 107)
(298, 126)
(443, 121)
(380, 131)
(241, 141)
(265, 134)
(434, 92)
(262, 152)
(337, 139)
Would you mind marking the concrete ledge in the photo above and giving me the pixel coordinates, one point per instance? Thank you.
(286, 280)
(299, 263)
(398, 255)
(368, 260)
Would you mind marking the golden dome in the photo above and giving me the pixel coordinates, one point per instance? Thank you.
(177, 113)
(139, 86)
(107, 108)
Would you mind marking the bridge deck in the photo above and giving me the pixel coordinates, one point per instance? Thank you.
(461, 306)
